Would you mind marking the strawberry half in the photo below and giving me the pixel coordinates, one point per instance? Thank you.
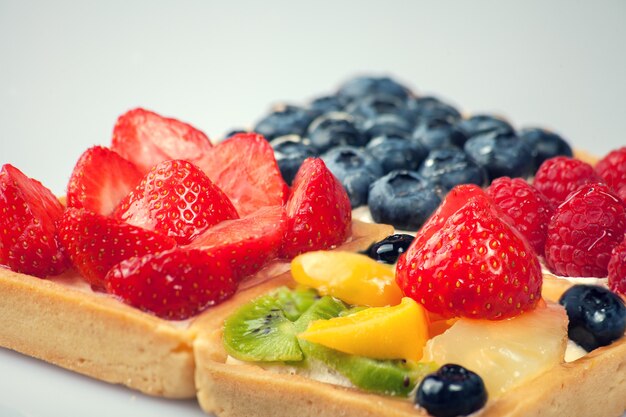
(96, 243)
(29, 210)
(250, 243)
(175, 284)
(469, 261)
(244, 167)
(177, 199)
(318, 211)
(101, 178)
(146, 138)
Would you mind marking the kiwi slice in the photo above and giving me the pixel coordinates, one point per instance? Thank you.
(295, 302)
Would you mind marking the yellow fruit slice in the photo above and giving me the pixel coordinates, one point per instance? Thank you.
(398, 332)
(351, 277)
(505, 353)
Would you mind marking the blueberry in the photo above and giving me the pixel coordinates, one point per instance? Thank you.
(390, 248)
(358, 87)
(290, 120)
(403, 199)
(425, 108)
(386, 124)
(372, 106)
(290, 152)
(484, 123)
(439, 133)
(501, 153)
(327, 104)
(395, 152)
(355, 169)
(597, 316)
(451, 391)
(544, 144)
(334, 129)
(450, 166)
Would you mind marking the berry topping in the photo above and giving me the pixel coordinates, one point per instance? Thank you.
(359, 87)
(388, 249)
(96, 243)
(175, 284)
(449, 167)
(290, 152)
(557, 177)
(146, 138)
(396, 152)
(327, 104)
(100, 180)
(501, 153)
(426, 108)
(597, 317)
(334, 129)
(612, 169)
(28, 242)
(617, 268)
(528, 208)
(583, 231)
(288, 120)
(451, 391)
(483, 123)
(468, 261)
(403, 199)
(318, 211)
(244, 168)
(177, 199)
(437, 133)
(544, 145)
(386, 124)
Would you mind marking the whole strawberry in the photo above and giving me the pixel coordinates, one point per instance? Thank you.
(177, 199)
(617, 268)
(100, 179)
(583, 232)
(319, 214)
(146, 138)
(468, 261)
(175, 284)
(28, 242)
(96, 243)
(557, 177)
(612, 169)
(529, 209)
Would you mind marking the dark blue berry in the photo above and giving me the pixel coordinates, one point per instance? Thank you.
(483, 123)
(358, 87)
(597, 316)
(395, 152)
(426, 108)
(438, 133)
(451, 391)
(386, 125)
(334, 129)
(355, 169)
(390, 248)
(290, 152)
(327, 104)
(449, 167)
(544, 145)
(373, 106)
(290, 120)
(501, 153)
(403, 199)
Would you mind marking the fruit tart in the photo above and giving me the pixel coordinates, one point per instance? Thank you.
(114, 279)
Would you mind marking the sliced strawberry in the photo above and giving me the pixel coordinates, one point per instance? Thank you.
(146, 138)
(175, 284)
(177, 199)
(96, 243)
(248, 243)
(471, 262)
(318, 210)
(244, 167)
(29, 210)
(101, 178)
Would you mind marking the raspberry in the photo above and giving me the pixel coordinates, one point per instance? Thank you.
(528, 208)
(612, 169)
(583, 232)
(557, 177)
(617, 269)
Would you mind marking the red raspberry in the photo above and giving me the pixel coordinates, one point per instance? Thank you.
(528, 208)
(557, 177)
(612, 168)
(583, 232)
(617, 269)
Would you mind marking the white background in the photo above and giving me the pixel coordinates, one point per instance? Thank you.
(68, 69)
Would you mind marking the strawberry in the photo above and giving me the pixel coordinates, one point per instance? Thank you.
(96, 243)
(318, 211)
(244, 167)
(28, 241)
(146, 138)
(175, 284)
(101, 178)
(469, 261)
(177, 199)
(249, 243)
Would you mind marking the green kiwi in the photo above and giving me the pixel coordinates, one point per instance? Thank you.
(295, 302)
